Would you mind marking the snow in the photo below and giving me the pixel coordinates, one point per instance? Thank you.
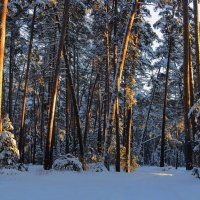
(67, 162)
(150, 183)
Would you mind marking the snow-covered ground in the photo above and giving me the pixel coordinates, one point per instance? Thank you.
(147, 183)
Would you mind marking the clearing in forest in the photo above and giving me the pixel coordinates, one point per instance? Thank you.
(146, 183)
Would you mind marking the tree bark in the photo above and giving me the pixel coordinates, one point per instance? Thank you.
(162, 152)
(148, 115)
(3, 15)
(76, 115)
(117, 164)
(124, 110)
(197, 40)
(36, 117)
(88, 112)
(76, 110)
(48, 152)
(128, 140)
(107, 77)
(68, 91)
(67, 115)
(42, 117)
(12, 63)
(191, 80)
(21, 133)
(99, 110)
(116, 84)
(186, 67)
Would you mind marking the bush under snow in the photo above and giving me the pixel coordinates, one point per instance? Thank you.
(98, 167)
(9, 153)
(67, 162)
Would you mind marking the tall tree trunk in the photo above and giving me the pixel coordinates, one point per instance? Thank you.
(21, 133)
(73, 120)
(177, 148)
(186, 65)
(88, 112)
(117, 164)
(107, 77)
(191, 80)
(99, 142)
(68, 91)
(12, 63)
(77, 79)
(42, 117)
(17, 95)
(76, 110)
(3, 15)
(162, 152)
(128, 140)
(73, 96)
(48, 152)
(197, 41)
(68, 98)
(148, 115)
(36, 116)
(124, 110)
(116, 84)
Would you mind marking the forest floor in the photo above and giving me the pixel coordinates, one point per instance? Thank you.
(146, 183)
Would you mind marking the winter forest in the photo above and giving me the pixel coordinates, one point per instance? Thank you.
(99, 86)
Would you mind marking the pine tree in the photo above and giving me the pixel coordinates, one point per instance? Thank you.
(188, 142)
(3, 15)
(48, 153)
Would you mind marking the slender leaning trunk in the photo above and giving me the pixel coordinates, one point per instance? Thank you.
(21, 133)
(162, 153)
(89, 107)
(48, 152)
(76, 110)
(147, 117)
(116, 84)
(75, 116)
(117, 165)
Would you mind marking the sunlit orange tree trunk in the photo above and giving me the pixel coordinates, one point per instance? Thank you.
(75, 111)
(186, 68)
(116, 84)
(3, 15)
(117, 164)
(197, 41)
(48, 151)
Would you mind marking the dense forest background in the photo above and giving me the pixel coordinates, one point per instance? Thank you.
(97, 80)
